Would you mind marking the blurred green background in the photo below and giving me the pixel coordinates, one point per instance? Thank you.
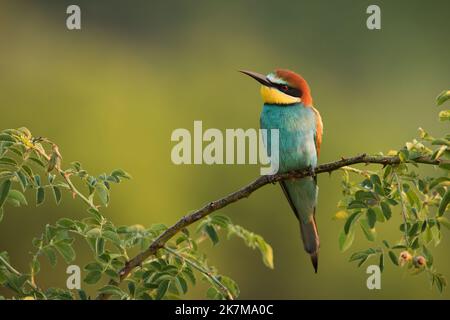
(112, 93)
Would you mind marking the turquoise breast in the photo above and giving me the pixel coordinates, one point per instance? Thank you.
(297, 129)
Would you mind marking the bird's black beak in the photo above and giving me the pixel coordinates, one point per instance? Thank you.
(258, 77)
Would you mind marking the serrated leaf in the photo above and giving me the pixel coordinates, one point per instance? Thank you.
(50, 254)
(65, 250)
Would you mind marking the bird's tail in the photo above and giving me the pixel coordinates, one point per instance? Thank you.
(310, 237)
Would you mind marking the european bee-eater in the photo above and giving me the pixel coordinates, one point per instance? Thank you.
(288, 107)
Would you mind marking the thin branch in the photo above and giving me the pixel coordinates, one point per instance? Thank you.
(65, 175)
(207, 273)
(365, 173)
(404, 214)
(246, 191)
(9, 267)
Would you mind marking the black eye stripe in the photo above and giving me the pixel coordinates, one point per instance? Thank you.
(294, 92)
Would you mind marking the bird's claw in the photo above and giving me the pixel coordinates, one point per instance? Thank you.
(311, 171)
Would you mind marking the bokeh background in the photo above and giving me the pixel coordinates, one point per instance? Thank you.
(112, 93)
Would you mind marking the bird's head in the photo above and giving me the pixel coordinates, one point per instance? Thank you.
(282, 87)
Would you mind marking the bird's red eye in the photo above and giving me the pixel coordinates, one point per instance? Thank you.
(285, 88)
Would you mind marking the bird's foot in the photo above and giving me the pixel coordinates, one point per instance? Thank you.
(311, 171)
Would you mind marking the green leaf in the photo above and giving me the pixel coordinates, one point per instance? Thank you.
(119, 173)
(439, 181)
(23, 179)
(350, 221)
(40, 196)
(37, 161)
(369, 232)
(57, 194)
(375, 179)
(93, 277)
(82, 294)
(415, 244)
(442, 97)
(65, 250)
(1, 214)
(445, 166)
(28, 171)
(65, 223)
(213, 294)
(212, 234)
(50, 254)
(444, 221)
(181, 284)
(17, 196)
(381, 263)
(413, 230)
(112, 290)
(93, 266)
(112, 236)
(102, 193)
(371, 218)
(346, 240)
(190, 275)
(100, 246)
(6, 137)
(162, 289)
(35, 266)
(386, 210)
(8, 161)
(4, 190)
(428, 255)
(444, 202)
(266, 251)
(444, 115)
(393, 258)
(231, 285)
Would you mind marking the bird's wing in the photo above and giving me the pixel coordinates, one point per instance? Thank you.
(319, 130)
(289, 199)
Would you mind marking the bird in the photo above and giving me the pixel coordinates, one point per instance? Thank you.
(288, 107)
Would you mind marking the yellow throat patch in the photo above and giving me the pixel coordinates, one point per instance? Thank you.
(274, 96)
